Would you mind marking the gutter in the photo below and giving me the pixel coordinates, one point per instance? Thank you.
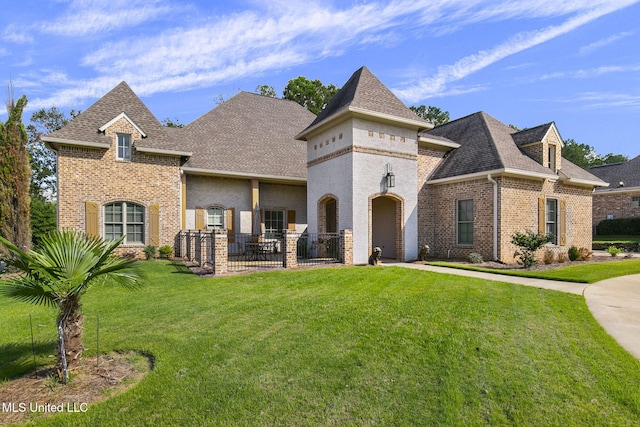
(495, 216)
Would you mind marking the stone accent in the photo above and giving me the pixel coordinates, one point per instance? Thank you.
(95, 175)
(346, 247)
(616, 203)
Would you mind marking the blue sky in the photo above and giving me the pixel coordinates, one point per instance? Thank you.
(524, 62)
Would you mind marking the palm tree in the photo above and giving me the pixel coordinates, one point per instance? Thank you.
(64, 267)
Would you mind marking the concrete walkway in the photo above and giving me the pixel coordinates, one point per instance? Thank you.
(614, 303)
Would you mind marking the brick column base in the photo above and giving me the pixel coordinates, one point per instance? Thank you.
(290, 258)
(346, 247)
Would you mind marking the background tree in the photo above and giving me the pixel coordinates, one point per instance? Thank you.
(172, 123)
(311, 94)
(15, 175)
(65, 267)
(431, 114)
(266, 90)
(43, 188)
(586, 156)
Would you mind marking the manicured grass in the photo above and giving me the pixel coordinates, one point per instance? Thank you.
(616, 239)
(582, 273)
(349, 346)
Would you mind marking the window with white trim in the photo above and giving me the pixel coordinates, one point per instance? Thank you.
(465, 222)
(551, 220)
(215, 218)
(124, 218)
(124, 147)
(274, 223)
(635, 202)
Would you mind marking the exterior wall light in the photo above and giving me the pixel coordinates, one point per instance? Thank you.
(391, 178)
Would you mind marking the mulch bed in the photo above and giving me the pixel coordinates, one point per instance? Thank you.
(38, 394)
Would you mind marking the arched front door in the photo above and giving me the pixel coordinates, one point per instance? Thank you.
(386, 226)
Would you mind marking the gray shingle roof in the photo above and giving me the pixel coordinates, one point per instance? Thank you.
(120, 99)
(250, 133)
(531, 135)
(364, 91)
(628, 173)
(487, 144)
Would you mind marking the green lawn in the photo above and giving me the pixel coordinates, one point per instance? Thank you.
(616, 239)
(345, 346)
(580, 273)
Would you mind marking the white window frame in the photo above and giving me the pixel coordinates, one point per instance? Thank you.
(215, 225)
(551, 219)
(123, 147)
(635, 202)
(464, 222)
(128, 210)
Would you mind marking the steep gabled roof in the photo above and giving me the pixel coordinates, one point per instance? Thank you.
(486, 144)
(364, 93)
(249, 134)
(628, 173)
(121, 99)
(535, 134)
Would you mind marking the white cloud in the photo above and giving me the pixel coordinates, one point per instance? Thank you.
(280, 34)
(585, 50)
(593, 72)
(437, 83)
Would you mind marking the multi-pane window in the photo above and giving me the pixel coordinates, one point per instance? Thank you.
(551, 220)
(124, 147)
(124, 218)
(635, 202)
(215, 218)
(465, 222)
(273, 223)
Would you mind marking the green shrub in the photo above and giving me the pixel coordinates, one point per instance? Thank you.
(573, 253)
(150, 251)
(475, 258)
(614, 251)
(528, 243)
(619, 227)
(165, 252)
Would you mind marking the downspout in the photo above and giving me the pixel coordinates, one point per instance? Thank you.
(495, 217)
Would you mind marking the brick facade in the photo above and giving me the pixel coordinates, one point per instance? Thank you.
(616, 203)
(95, 175)
(518, 211)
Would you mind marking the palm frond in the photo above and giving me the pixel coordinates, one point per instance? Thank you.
(29, 289)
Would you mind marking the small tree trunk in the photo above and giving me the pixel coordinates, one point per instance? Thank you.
(71, 324)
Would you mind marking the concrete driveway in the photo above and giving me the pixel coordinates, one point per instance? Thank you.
(615, 304)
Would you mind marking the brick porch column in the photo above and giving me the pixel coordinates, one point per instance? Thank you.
(220, 249)
(346, 247)
(290, 255)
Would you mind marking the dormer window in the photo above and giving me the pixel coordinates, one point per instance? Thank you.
(124, 147)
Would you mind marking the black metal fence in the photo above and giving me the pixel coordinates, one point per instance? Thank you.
(247, 251)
